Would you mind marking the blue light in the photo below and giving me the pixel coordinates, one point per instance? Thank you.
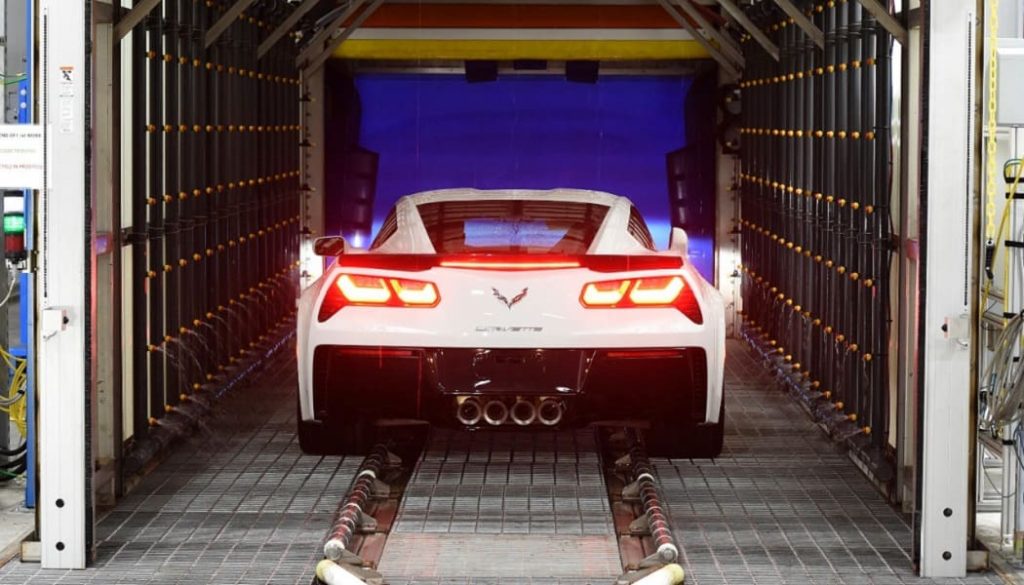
(531, 132)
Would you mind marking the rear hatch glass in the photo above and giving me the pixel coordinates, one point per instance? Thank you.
(511, 226)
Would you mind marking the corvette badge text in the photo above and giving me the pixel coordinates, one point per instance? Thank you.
(502, 329)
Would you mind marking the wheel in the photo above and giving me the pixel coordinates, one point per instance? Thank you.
(686, 440)
(342, 438)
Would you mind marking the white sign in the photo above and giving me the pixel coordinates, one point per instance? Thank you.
(21, 156)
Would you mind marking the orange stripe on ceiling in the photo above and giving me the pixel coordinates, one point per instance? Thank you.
(519, 16)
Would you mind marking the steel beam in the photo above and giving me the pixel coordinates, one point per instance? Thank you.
(724, 42)
(286, 26)
(225, 21)
(740, 17)
(722, 59)
(134, 17)
(337, 40)
(803, 22)
(315, 46)
(886, 19)
(64, 282)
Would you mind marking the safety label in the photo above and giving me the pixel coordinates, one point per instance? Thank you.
(21, 156)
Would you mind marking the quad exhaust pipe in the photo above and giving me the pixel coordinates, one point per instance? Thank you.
(523, 413)
(549, 412)
(496, 413)
(471, 411)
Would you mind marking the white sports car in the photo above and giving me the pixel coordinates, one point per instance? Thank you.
(511, 308)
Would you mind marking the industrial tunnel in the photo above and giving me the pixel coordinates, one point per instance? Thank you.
(216, 141)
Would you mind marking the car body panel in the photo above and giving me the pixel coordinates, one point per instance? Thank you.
(498, 309)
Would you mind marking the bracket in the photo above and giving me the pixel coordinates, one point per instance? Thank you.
(724, 42)
(886, 19)
(225, 21)
(723, 61)
(740, 17)
(803, 22)
(286, 26)
(337, 40)
(318, 40)
(133, 18)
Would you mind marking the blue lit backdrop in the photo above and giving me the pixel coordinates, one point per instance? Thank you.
(537, 132)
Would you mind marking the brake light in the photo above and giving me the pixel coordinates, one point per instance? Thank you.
(656, 291)
(510, 265)
(651, 292)
(377, 291)
(604, 294)
(415, 292)
(367, 290)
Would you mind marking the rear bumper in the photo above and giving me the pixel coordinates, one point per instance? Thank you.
(368, 383)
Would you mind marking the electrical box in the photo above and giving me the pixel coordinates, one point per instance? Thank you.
(1010, 88)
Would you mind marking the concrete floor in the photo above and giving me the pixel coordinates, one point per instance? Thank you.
(241, 504)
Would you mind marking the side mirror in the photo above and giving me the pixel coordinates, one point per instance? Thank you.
(679, 242)
(329, 246)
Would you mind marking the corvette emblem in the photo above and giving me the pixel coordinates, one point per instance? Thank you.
(509, 303)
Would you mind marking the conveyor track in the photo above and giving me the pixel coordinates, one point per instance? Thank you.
(504, 507)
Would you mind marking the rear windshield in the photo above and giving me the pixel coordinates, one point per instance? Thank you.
(511, 226)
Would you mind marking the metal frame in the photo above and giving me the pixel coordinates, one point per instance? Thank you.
(723, 60)
(285, 27)
(316, 44)
(887, 20)
(803, 22)
(948, 220)
(64, 278)
(222, 24)
(725, 43)
(740, 17)
(337, 39)
(133, 18)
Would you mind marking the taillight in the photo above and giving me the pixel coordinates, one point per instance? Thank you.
(377, 291)
(656, 291)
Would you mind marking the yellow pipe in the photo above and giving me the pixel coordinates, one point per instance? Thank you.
(406, 49)
(671, 574)
(332, 573)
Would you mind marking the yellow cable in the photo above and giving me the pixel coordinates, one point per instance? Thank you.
(990, 167)
(1003, 222)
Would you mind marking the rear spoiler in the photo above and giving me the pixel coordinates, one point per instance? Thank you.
(595, 262)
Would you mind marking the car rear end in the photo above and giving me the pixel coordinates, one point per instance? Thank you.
(512, 337)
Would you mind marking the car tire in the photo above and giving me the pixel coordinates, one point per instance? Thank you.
(686, 440)
(318, 438)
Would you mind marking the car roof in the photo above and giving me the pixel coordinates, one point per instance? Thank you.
(577, 195)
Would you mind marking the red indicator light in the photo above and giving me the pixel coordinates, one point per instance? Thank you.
(377, 291)
(646, 292)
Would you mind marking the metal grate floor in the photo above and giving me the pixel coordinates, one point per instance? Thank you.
(240, 504)
(504, 505)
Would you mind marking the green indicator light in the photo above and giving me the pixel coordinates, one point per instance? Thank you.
(14, 224)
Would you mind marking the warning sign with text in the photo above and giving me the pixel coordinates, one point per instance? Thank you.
(21, 156)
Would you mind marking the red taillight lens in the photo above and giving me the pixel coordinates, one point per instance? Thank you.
(415, 293)
(363, 290)
(604, 294)
(377, 291)
(657, 291)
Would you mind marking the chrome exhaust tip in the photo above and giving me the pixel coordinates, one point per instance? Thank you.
(523, 413)
(496, 413)
(549, 412)
(469, 412)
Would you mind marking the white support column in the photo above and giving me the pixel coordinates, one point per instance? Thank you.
(948, 251)
(312, 266)
(64, 280)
